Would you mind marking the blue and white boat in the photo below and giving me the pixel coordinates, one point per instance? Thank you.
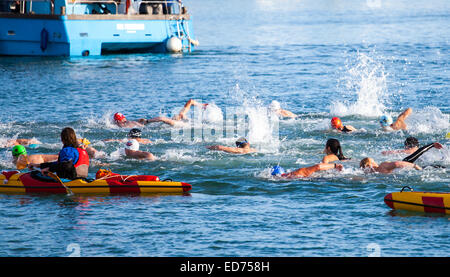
(93, 27)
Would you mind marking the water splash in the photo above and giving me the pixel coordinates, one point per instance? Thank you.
(429, 120)
(366, 80)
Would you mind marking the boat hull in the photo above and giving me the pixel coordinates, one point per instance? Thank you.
(89, 35)
(427, 202)
(32, 183)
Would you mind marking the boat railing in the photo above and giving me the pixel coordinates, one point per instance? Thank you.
(163, 4)
(76, 2)
(22, 5)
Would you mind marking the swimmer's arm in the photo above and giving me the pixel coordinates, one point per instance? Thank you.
(391, 152)
(404, 114)
(233, 150)
(159, 119)
(388, 167)
(49, 158)
(307, 171)
(109, 140)
(286, 113)
(400, 122)
(414, 156)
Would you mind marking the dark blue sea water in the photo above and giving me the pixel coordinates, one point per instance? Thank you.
(319, 59)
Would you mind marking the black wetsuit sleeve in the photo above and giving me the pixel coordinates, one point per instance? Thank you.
(419, 152)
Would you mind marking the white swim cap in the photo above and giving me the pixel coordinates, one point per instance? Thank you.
(275, 105)
(132, 144)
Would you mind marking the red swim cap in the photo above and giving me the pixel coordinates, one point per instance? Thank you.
(336, 123)
(119, 117)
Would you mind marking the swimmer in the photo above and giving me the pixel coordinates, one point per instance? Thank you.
(369, 165)
(121, 121)
(275, 107)
(419, 152)
(336, 123)
(408, 162)
(388, 125)
(134, 133)
(24, 142)
(242, 147)
(334, 151)
(132, 151)
(21, 159)
(305, 171)
(411, 146)
(181, 116)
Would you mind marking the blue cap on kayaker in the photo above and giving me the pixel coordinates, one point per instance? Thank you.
(277, 171)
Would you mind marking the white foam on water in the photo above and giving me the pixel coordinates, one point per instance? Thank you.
(429, 120)
(365, 81)
(212, 114)
(181, 155)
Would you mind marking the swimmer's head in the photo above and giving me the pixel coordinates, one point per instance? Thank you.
(277, 171)
(367, 164)
(118, 117)
(386, 120)
(242, 142)
(132, 144)
(18, 150)
(135, 133)
(336, 123)
(275, 105)
(333, 146)
(411, 142)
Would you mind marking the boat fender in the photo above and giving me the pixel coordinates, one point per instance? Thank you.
(44, 39)
(174, 45)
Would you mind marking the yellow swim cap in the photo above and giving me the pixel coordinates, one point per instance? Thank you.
(85, 141)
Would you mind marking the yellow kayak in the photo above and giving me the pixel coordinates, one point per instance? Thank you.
(35, 182)
(417, 201)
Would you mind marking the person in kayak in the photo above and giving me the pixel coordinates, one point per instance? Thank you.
(333, 151)
(21, 159)
(132, 151)
(411, 146)
(73, 160)
(305, 171)
(387, 123)
(368, 164)
(181, 116)
(275, 107)
(336, 124)
(242, 147)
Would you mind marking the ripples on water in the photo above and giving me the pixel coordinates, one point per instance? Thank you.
(319, 59)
